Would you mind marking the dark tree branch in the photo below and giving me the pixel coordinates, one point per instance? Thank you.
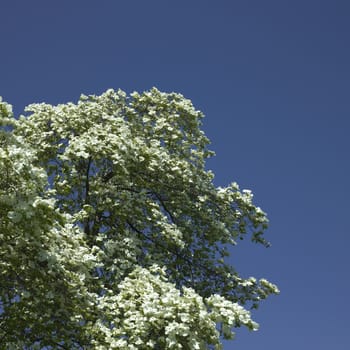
(87, 190)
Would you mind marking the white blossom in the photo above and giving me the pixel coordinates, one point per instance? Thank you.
(113, 235)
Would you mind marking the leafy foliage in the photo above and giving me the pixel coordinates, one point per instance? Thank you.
(113, 234)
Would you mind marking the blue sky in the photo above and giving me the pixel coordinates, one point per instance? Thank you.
(272, 78)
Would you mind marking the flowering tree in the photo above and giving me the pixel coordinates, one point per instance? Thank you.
(112, 233)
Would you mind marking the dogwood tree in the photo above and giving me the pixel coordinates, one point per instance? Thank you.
(113, 235)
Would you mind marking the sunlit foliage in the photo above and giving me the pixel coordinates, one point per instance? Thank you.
(113, 235)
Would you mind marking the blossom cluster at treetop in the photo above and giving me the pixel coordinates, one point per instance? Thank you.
(113, 235)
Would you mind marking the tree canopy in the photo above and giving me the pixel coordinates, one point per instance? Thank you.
(113, 235)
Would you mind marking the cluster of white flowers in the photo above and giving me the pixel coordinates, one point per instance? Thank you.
(149, 310)
(113, 235)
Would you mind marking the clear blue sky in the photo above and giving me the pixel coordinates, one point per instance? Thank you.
(272, 77)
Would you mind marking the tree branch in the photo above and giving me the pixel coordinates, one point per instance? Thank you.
(87, 190)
